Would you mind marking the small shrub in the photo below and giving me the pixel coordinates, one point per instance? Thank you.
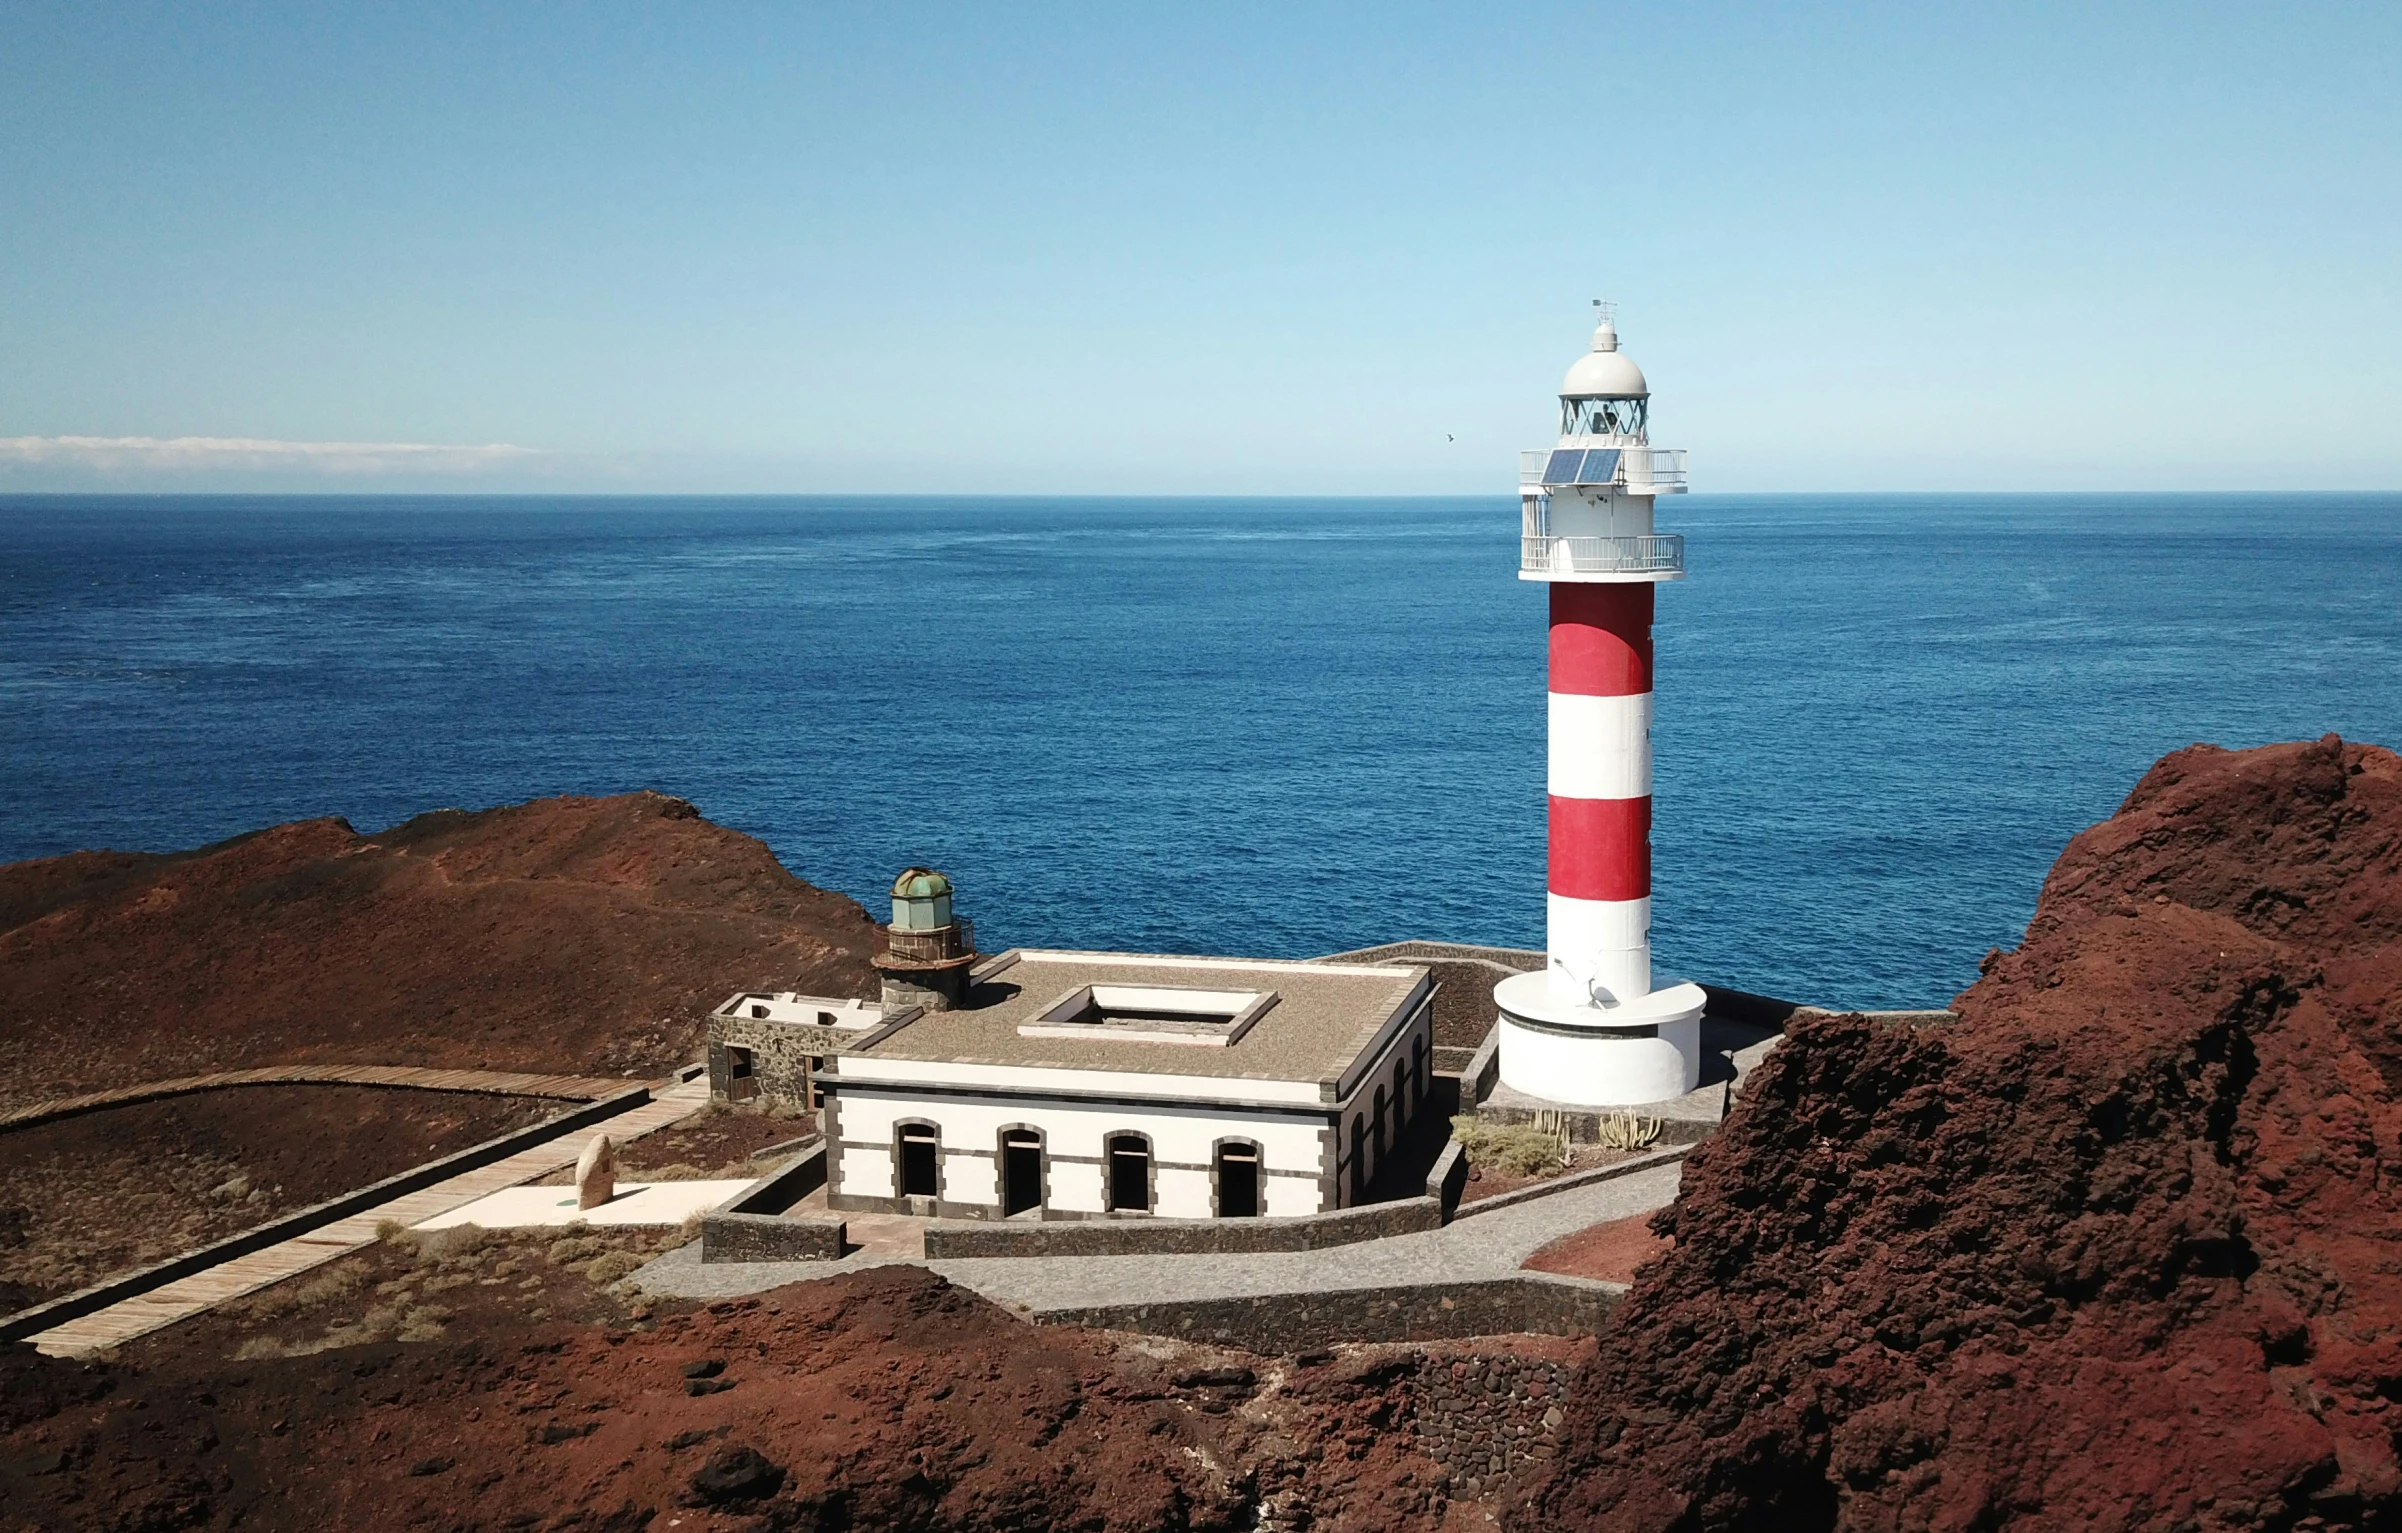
(422, 1323)
(1513, 1149)
(605, 1269)
(460, 1242)
(576, 1248)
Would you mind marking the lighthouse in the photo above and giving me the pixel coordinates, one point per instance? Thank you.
(1593, 1029)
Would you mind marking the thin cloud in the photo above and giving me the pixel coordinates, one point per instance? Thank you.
(188, 454)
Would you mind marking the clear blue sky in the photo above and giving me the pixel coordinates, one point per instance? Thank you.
(1272, 248)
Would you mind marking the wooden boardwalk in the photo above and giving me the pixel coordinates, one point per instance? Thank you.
(128, 1318)
(574, 1088)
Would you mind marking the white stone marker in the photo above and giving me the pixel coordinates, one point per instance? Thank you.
(596, 1173)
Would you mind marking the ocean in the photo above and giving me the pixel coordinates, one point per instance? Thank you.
(1219, 726)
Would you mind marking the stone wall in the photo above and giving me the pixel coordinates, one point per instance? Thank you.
(1180, 1237)
(1285, 1323)
(780, 1055)
(1584, 1123)
(1447, 1181)
(769, 1238)
(1487, 1418)
(751, 1226)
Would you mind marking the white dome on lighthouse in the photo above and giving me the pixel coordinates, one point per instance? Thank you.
(1605, 371)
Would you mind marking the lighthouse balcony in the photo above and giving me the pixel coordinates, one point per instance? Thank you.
(939, 945)
(1631, 470)
(1651, 556)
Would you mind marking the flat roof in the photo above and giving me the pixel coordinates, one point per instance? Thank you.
(1325, 1017)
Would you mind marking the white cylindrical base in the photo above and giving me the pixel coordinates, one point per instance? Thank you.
(1605, 943)
(1599, 1070)
(1562, 1050)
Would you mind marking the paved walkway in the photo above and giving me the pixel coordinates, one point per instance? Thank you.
(577, 1088)
(1470, 1248)
(127, 1318)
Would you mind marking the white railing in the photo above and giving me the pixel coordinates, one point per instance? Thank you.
(1636, 470)
(1651, 553)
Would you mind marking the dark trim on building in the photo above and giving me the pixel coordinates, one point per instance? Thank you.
(834, 1083)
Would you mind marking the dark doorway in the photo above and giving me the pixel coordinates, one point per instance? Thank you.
(1238, 1181)
(1129, 1174)
(1021, 1171)
(920, 1162)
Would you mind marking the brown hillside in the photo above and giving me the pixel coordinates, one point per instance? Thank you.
(568, 934)
(2121, 1248)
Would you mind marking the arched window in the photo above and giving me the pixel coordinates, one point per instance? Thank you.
(1401, 1095)
(917, 1161)
(1129, 1157)
(1237, 1177)
(1021, 1171)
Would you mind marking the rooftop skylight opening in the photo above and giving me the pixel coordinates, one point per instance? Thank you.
(1152, 1014)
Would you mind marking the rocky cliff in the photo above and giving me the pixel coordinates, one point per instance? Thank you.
(2121, 1247)
(577, 935)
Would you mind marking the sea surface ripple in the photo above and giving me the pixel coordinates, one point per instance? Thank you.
(1241, 726)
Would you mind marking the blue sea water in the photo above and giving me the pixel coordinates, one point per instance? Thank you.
(1246, 726)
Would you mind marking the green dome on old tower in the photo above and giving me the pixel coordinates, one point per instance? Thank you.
(921, 900)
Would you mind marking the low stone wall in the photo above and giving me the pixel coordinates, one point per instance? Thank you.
(1544, 1189)
(769, 1238)
(1301, 1322)
(1584, 1123)
(1482, 1072)
(782, 1187)
(1447, 1179)
(957, 1238)
(751, 1226)
(1488, 1417)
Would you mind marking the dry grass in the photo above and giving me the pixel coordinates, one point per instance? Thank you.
(1513, 1149)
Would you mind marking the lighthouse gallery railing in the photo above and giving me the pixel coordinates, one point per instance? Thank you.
(1651, 552)
(1640, 470)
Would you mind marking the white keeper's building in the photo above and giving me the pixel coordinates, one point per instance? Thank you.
(1070, 1085)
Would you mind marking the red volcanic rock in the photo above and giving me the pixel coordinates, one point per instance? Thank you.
(570, 934)
(880, 1399)
(2120, 1248)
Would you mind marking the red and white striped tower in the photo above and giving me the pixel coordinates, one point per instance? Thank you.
(1591, 1030)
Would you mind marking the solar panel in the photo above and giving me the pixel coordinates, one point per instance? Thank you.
(1601, 466)
(1562, 467)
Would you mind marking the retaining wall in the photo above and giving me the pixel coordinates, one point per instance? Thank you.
(1301, 1322)
(1487, 1416)
(751, 1226)
(950, 1238)
(1609, 1173)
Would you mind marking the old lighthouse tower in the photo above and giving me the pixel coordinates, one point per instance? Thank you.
(1593, 1029)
